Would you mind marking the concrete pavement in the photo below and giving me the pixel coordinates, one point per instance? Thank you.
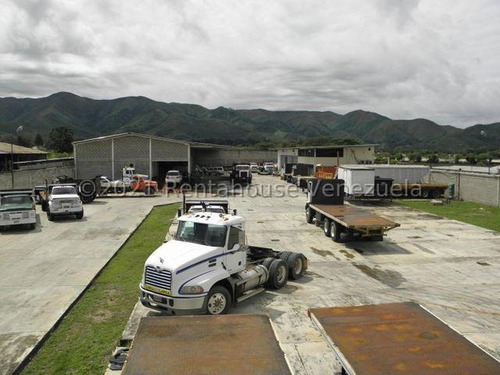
(449, 267)
(42, 272)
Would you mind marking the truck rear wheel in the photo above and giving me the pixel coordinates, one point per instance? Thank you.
(309, 215)
(278, 274)
(296, 266)
(326, 227)
(335, 230)
(218, 301)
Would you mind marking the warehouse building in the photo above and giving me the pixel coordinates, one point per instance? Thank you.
(327, 155)
(152, 155)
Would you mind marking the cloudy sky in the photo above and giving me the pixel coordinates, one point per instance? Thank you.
(401, 58)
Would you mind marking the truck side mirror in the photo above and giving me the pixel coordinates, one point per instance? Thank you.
(236, 247)
(234, 212)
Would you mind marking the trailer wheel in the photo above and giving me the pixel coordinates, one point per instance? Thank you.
(335, 230)
(218, 301)
(278, 274)
(309, 215)
(435, 193)
(296, 266)
(326, 227)
(426, 193)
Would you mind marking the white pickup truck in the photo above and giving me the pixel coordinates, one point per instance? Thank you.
(17, 208)
(208, 266)
(64, 200)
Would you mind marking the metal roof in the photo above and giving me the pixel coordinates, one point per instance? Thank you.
(7, 148)
(149, 136)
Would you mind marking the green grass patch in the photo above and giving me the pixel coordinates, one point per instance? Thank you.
(473, 213)
(86, 337)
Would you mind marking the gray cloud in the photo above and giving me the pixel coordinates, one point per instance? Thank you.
(416, 58)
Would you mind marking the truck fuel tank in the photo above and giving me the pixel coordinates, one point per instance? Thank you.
(251, 277)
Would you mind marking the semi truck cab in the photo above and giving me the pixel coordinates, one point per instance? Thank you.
(208, 266)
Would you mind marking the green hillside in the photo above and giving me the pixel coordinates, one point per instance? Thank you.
(92, 118)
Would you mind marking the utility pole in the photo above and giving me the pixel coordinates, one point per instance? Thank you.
(18, 130)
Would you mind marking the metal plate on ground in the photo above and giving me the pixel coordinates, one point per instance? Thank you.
(398, 338)
(226, 344)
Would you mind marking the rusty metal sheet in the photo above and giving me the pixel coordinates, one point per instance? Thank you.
(354, 218)
(399, 338)
(226, 344)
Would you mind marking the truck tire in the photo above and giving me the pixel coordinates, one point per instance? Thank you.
(50, 217)
(278, 274)
(435, 193)
(267, 263)
(309, 215)
(296, 266)
(32, 226)
(285, 255)
(218, 301)
(335, 229)
(326, 227)
(426, 193)
(79, 215)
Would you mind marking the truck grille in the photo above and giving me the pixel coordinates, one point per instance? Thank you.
(160, 279)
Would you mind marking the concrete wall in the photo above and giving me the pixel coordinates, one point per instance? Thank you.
(471, 187)
(226, 158)
(28, 178)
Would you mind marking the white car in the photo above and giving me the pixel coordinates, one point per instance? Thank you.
(173, 178)
(254, 167)
(63, 201)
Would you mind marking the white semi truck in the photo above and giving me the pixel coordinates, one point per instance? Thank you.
(208, 266)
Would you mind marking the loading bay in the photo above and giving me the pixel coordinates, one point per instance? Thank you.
(449, 267)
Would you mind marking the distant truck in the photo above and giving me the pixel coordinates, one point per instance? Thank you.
(208, 266)
(388, 182)
(325, 207)
(130, 182)
(17, 208)
(63, 200)
(241, 174)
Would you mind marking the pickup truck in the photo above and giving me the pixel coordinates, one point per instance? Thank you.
(63, 200)
(208, 266)
(17, 208)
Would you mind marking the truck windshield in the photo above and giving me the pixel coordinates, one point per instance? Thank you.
(64, 190)
(204, 234)
(15, 199)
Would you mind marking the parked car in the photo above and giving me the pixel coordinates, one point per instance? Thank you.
(254, 167)
(173, 178)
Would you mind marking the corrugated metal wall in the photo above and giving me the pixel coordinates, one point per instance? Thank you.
(96, 157)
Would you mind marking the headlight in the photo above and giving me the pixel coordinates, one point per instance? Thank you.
(191, 290)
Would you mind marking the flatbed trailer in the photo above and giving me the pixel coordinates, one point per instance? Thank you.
(420, 190)
(338, 219)
(398, 338)
(225, 344)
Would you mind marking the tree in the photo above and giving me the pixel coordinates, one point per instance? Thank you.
(38, 140)
(433, 159)
(24, 140)
(61, 139)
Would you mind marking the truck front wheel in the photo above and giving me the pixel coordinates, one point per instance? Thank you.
(218, 301)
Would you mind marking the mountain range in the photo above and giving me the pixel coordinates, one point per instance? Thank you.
(92, 118)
